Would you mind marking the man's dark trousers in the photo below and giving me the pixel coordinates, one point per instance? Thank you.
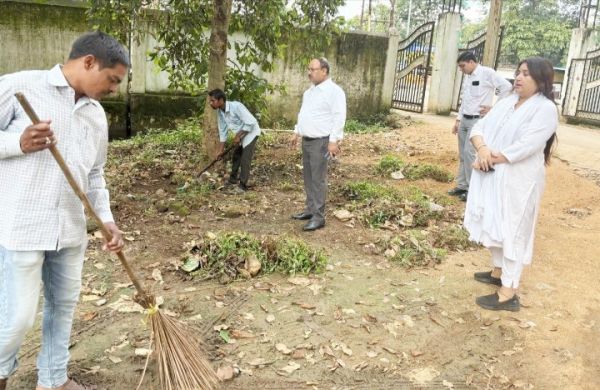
(314, 161)
(242, 157)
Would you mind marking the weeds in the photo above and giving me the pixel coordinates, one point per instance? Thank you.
(411, 249)
(354, 126)
(225, 256)
(423, 171)
(389, 164)
(412, 171)
(383, 206)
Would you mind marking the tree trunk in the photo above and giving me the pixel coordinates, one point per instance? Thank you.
(216, 72)
(362, 15)
(369, 18)
(492, 36)
(392, 11)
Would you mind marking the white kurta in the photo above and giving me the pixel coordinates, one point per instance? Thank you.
(502, 205)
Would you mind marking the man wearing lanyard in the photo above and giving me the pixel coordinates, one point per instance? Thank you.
(321, 126)
(236, 117)
(478, 89)
(43, 229)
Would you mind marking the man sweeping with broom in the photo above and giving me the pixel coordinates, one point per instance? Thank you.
(42, 225)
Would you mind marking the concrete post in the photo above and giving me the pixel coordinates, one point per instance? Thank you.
(444, 63)
(390, 69)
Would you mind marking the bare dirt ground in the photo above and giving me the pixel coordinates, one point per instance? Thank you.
(365, 323)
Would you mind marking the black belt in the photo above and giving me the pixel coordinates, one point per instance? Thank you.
(470, 116)
(313, 139)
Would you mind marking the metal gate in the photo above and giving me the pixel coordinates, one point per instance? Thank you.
(582, 97)
(477, 47)
(412, 69)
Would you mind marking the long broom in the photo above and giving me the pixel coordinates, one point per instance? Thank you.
(182, 364)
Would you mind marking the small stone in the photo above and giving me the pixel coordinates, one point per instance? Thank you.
(397, 175)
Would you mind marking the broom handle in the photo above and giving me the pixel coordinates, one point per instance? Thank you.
(84, 199)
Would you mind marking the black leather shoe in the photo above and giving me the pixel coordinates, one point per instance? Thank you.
(456, 191)
(302, 216)
(313, 225)
(463, 196)
(492, 302)
(486, 277)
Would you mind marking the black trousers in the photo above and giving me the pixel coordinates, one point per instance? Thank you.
(242, 158)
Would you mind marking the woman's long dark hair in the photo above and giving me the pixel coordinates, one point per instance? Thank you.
(542, 72)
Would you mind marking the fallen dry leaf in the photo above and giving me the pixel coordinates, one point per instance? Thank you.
(90, 315)
(242, 334)
(252, 265)
(115, 359)
(304, 305)
(299, 281)
(288, 369)
(423, 375)
(283, 349)
(225, 373)
(157, 275)
(343, 215)
(142, 352)
(259, 362)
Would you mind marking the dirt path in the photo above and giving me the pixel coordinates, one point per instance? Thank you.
(365, 323)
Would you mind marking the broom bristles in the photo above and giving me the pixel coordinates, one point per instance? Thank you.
(182, 361)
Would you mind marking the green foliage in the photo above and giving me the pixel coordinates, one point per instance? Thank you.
(367, 125)
(421, 11)
(223, 255)
(364, 190)
(389, 164)
(291, 256)
(183, 49)
(538, 28)
(422, 171)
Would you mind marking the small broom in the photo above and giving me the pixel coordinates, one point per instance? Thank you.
(182, 364)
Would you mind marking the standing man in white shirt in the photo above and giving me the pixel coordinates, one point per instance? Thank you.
(478, 89)
(43, 234)
(321, 126)
(235, 116)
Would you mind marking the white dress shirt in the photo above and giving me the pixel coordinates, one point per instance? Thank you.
(38, 208)
(236, 118)
(323, 112)
(478, 90)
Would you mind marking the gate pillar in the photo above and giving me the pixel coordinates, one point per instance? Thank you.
(390, 68)
(444, 63)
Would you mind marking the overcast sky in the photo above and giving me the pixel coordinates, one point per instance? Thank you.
(472, 10)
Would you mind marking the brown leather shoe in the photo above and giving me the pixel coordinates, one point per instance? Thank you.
(3, 384)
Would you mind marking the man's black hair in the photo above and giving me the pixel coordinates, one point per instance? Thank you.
(466, 56)
(217, 94)
(106, 49)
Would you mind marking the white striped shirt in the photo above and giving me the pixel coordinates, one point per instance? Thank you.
(38, 208)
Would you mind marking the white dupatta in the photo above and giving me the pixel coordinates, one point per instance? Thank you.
(488, 210)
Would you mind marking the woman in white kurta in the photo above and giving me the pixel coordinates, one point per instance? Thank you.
(513, 144)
